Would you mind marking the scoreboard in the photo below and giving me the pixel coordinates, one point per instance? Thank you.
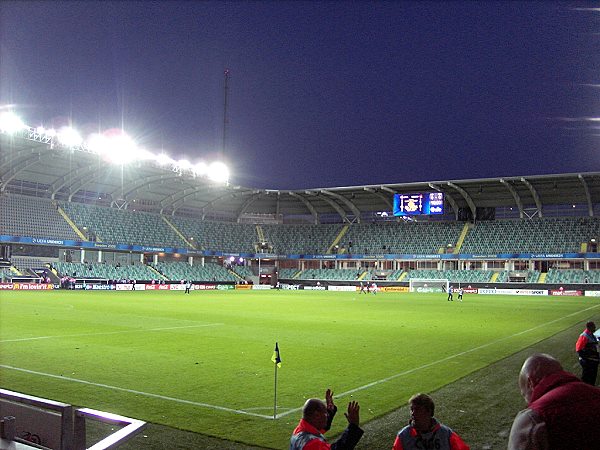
(423, 203)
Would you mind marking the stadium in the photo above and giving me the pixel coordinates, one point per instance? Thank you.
(109, 245)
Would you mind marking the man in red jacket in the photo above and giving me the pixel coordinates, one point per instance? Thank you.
(562, 411)
(587, 349)
(316, 420)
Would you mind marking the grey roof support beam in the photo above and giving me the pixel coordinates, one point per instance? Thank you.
(467, 198)
(16, 155)
(308, 205)
(448, 197)
(331, 203)
(347, 202)
(534, 194)
(147, 182)
(587, 195)
(247, 204)
(515, 195)
(385, 199)
(77, 174)
(11, 173)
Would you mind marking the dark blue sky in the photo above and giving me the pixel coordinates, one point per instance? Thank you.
(321, 93)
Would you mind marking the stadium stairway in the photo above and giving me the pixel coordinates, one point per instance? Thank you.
(461, 238)
(363, 275)
(16, 271)
(338, 238)
(155, 270)
(494, 277)
(178, 233)
(71, 223)
(542, 278)
(403, 275)
(235, 274)
(260, 233)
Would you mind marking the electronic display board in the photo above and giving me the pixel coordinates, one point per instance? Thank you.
(423, 203)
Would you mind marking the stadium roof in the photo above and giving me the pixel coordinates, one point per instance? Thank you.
(30, 165)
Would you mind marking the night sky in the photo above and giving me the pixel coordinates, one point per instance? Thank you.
(321, 94)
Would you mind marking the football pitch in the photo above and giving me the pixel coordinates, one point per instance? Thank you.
(202, 362)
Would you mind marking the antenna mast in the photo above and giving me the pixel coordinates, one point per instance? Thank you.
(225, 118)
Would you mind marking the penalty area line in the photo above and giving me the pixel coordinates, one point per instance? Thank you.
(133, 391)
(448, 358)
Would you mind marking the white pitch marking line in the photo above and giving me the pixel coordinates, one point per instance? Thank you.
(110, 332)
(425, 366)
(291, 411)
(133, 391)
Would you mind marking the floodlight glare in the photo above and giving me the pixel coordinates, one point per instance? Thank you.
(200, 169)
(118, 148)
(217, 171)
(163, 159)
(184, 164)
(10, 122)
(69, 137)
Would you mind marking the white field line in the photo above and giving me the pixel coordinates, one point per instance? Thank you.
(294, 410)
(141, 330)
(133, 391)
(425, 366)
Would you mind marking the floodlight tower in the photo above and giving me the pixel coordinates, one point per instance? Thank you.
(225, 118)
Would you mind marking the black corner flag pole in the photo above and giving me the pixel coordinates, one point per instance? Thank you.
(276, 358)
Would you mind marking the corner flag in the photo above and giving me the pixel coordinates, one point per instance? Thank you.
(276, 358)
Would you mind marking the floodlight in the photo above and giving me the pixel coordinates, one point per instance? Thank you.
(69, 137)
(184, 164)
(217, 171)
(10, 122)
(200, 169)
(41, 130)
(163, 159)
(118, 148)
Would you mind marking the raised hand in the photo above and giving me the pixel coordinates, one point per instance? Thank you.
(353, 413)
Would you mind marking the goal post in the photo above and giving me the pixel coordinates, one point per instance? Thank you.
(428, 285)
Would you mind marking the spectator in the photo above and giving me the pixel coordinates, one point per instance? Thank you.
(587, 349)
(424, 431)
(562, 411)
(316, 420)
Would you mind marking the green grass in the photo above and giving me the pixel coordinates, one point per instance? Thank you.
(176, 359)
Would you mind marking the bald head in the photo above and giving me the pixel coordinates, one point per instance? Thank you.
(314, 412)
(311, 406)
(535, 368)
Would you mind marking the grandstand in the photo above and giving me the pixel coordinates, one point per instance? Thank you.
(168, 224)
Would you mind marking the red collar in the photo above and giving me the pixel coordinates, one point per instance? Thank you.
(434, 427)
(306, 426)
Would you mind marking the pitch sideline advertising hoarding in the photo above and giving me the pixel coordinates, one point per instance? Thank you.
(342, 288)
(485, 291)
(393, 288)
(566, 293)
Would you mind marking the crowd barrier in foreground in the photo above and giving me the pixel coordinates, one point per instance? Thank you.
(33, 422)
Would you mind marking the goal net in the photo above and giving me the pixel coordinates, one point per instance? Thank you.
(428, 285)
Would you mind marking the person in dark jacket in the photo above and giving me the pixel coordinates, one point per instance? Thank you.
(562, 411)
(317, 417)
(587, 349)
